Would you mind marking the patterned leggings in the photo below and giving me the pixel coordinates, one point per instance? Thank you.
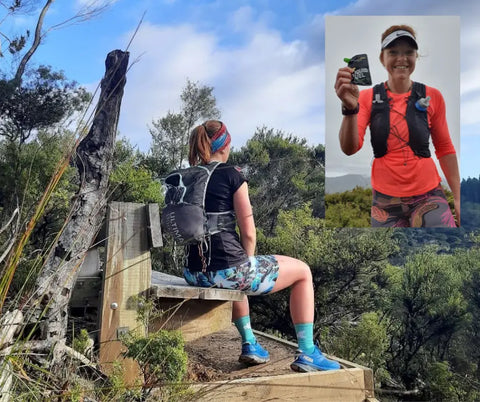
(257, 276)
(420, 211)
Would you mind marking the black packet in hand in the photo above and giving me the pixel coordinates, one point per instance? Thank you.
(361, 75)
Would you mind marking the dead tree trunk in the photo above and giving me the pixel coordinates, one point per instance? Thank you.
(94, 162)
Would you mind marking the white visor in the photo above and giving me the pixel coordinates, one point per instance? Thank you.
(396, 35)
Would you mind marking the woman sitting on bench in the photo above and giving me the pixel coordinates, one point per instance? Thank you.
(233, 263)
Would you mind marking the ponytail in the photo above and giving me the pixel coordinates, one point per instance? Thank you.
(200, 143)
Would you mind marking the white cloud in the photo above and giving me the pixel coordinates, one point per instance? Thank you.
(163, 58)
(261, 82)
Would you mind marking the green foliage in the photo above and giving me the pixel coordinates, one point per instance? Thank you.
(45, 98)
(284, 173)
(349, 209)
(24, 175)
(470, 190)
(364, 342)
(117, 389)
(163, 360)
(81, 341)
(347, 266)
(130, 180)
(470, 215)
(430, 308)
(443, 385)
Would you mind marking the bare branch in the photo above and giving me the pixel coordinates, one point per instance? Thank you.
(10, 221)
(86, 13)
(36, 42)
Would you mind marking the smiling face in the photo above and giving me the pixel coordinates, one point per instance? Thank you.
(399, 59)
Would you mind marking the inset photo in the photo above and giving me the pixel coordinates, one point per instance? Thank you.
(392, 115)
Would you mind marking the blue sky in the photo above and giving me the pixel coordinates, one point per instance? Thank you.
(265, 59)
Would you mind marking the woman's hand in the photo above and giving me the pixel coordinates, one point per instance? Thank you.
(456, 204)
(449, 165)
(348, 94)
(345, 90)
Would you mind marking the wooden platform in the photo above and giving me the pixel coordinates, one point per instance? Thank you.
(218, 376)
(213, 345)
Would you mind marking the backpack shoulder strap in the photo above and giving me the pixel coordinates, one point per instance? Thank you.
(210, 168)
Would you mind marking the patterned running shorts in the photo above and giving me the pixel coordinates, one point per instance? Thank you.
(429, 210)
(257, 276)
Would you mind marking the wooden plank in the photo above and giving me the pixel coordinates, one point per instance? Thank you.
(127, 273)
(369, 384)
(88, 286)
(170, 286)
(153, 225)
(91, 264)
(194, 318)
(343, 362)
(345, 385)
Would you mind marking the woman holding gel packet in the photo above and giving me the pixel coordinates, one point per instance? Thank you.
(402, 115)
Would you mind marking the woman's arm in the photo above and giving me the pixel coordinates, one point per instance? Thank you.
(449, 166)
(246, 224)
(348, 94)
(348, 135)
(444, 148)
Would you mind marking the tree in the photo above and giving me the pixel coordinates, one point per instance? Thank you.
(170, 134)
(364, 342)
(19, 41)
(428, 307)
(131, 180)
(349, 209)
(283, 172)
(33, 99)
(29, 116)
(45, 99)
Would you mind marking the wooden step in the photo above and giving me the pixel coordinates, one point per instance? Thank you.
(217, 375)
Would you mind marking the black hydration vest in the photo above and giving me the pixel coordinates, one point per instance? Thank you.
(417, 122)
(184, 216)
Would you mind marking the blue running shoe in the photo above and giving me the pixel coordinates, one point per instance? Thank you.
(253, 354)
(315, 361)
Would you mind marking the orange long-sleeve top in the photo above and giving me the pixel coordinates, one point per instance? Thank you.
(400, 173)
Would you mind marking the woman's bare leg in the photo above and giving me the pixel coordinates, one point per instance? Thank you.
(296, 274)
(240, 308)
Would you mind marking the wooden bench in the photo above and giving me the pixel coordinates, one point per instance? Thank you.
(132, 230)
(196, 311)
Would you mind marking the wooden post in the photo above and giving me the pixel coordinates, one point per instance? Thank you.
(127, 274)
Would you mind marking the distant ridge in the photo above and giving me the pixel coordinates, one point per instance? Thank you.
(347, 182)
(339, 184)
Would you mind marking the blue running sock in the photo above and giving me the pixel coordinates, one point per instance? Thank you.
(245, 329)
(305, 337)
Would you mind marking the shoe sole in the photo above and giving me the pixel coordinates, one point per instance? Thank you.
(304, 368)
(252, 360)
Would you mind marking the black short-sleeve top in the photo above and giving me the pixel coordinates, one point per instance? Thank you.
(226, 249)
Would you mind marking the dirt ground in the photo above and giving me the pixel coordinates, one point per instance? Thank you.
(215, 358)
